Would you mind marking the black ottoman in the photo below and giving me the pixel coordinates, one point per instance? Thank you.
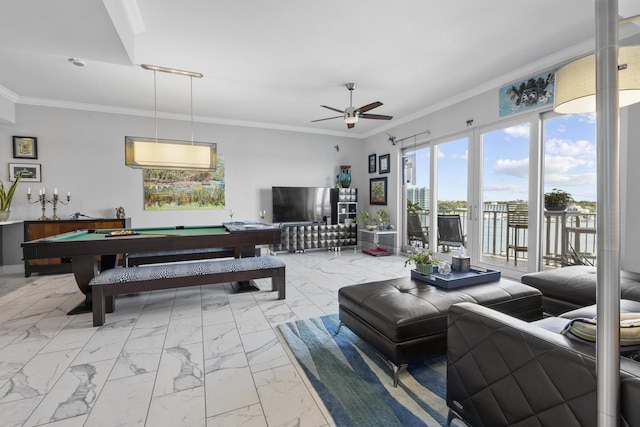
(405, 320)
(569, 288)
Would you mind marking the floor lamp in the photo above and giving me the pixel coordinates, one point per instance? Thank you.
(603, 83)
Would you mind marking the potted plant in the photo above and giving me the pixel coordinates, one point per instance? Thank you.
(424, 260)
(413, 208)
(557, 200)
(6, 197)
(382, 217)
(365, 219)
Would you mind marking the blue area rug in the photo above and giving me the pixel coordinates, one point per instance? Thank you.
(356, 385)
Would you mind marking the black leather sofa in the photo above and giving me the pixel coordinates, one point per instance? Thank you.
(569, 288)
(503, 371)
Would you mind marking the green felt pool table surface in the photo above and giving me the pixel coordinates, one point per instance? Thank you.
(100, 242)
(140, 233)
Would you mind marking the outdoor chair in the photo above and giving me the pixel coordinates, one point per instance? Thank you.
(517, 226)
(416, 232)
(450, 232)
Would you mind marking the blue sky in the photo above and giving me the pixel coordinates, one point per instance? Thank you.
(570, 161)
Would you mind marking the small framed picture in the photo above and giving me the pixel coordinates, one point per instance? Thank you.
(30, 172)
(378, 191)
(384, 164)
(25, 147)
(372, 163)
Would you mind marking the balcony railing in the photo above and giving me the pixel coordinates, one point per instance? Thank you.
(565, 234)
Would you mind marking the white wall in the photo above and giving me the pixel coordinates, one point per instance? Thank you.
(83, 152)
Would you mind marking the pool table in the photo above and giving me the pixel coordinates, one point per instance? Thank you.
(92, 251)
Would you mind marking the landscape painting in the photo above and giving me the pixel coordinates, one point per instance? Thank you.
(167, 189)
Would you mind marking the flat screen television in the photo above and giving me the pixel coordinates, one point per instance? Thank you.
(301, 204)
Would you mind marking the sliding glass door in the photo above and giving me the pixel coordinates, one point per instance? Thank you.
(435, 182)
(503, 203)
(452, 171)
(570, 166)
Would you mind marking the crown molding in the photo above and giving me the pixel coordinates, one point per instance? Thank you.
(8, 95)
(109, 109)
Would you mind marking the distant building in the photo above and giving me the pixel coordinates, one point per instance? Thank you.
(419, 195)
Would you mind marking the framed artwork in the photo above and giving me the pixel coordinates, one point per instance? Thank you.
(175, 189)
(25, 147)
(372, 163)
(384, 163)
(378, 191)
(30, 172)
(527, 94)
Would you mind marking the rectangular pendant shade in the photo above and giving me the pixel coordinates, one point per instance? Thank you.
(576, 82)
(151, 153)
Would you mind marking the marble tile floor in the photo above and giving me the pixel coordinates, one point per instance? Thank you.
(200, 356)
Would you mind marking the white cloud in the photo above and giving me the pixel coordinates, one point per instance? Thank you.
(512, 167)
(519, 131)
(567, 181)
(562, 164)
(566, 147)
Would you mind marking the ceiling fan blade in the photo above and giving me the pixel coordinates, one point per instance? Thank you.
(328, 118)
(375, 116)
(333, 109)
(350, 125)
(369, 107)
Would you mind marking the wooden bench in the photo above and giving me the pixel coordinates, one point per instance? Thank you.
(123, 280)
(155, 257)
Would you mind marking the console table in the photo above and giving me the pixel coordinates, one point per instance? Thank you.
(373, 239)
(38, 229)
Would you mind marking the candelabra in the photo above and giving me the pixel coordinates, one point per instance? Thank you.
(42, 199)
(55, 202)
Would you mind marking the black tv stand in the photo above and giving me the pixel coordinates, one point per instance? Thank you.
(300, 236)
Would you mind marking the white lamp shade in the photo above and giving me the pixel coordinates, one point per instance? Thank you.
(576, 82)
(146, 153)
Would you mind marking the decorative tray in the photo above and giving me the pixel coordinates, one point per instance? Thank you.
(456, 279)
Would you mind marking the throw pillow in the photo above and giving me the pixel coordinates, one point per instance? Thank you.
(585, 329)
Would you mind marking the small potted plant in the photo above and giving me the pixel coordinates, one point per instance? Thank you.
(365, 219)
(424, 260)
(6, 197)
(382, 217)
(557, 200)
(413, 208)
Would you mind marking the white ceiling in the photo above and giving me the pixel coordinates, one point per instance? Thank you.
(273, 63)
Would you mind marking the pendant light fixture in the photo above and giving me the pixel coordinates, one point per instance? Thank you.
(576, 82)
(147, 153)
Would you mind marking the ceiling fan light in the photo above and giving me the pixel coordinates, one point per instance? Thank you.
(350, 120)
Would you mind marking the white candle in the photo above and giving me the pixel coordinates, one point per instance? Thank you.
(55, 190)
(43, 191)
(40, 192)
(29, 191)
(69, 194)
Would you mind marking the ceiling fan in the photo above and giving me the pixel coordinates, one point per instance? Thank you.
(351, 115)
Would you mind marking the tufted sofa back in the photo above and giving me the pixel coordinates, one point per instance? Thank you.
(506, 372)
